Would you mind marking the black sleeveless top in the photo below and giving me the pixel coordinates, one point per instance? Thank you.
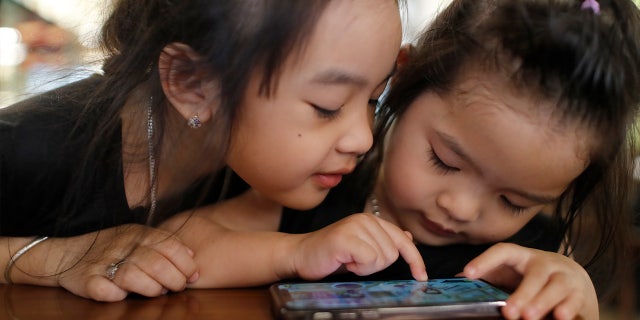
(43, 149)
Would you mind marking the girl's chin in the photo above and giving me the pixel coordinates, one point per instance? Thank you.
(435, 241)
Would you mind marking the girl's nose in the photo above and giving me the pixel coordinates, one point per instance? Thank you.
(462, 206)
(358, 137)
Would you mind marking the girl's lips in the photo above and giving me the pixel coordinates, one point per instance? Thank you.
(328, 181)
(437, 229)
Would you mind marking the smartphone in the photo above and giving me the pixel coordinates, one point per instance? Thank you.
(399, 299)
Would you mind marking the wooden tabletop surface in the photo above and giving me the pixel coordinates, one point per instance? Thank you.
(29, 302)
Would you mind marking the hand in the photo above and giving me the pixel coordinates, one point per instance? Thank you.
(155, 262)
(363, 243)
(546, 282)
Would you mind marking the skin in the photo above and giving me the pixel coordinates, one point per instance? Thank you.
(361, 243)
(484, 196)
(474, 166)
(320, 120)
(481, 184)
(544, 282)
(458, 171)
(294, 146)
(48, 263)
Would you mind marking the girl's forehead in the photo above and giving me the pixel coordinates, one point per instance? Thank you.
(490, 93)
(495, 92)
(491, 97)
(510, 139)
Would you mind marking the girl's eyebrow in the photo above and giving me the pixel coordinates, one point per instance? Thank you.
(453, 145)
(335, 77)
(535, 198)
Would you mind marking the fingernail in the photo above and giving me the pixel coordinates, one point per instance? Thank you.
(191, 253)
(531, 313)
(510, 311)
(194, 277)
(470, 272)
(424, 276)
(165, 291)
(409, 235)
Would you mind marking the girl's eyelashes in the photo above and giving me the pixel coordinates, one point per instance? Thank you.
(329, 114)
(512, 207)
(439, 164)
(325, 113)
(444, 169)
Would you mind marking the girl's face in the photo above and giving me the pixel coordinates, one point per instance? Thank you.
(297, 144)
(476, 165)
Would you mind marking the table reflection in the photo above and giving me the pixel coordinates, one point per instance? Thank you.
(29, 302)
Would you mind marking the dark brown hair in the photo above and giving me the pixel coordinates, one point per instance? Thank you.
(232, 38)
(588, 63)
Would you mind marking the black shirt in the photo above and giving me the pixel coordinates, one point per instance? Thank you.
(50, 184)
(542, 232)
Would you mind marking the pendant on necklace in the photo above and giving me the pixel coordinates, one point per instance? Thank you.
(375, 207)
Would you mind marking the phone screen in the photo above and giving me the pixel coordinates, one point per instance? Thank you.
(403, 299)
(395, 293)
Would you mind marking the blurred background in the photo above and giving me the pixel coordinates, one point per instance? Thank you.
(44, 44)
(48, 43)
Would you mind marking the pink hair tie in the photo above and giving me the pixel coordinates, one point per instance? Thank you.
(591, 4)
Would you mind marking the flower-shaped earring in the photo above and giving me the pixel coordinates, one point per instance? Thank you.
(194, 122)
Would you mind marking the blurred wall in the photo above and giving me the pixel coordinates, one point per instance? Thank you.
(420, 13)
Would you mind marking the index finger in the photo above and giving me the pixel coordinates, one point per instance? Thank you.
(498, 255)
(407, 249)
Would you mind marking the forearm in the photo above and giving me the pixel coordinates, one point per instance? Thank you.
(246, 259)
(227, 258)
(362, 243)
(41, 264)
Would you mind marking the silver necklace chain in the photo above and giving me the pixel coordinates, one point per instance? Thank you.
(375, 206)
(152, 161)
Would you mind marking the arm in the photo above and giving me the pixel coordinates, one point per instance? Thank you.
(226, 258)
(79, 263)
(544, 281)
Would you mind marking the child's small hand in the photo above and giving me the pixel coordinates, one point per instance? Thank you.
(545, 282)
(155, 262)
(159, 263)
(363, 243)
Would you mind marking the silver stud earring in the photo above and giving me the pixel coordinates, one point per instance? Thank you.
(194, 122)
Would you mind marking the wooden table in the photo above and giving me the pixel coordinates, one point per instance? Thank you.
(29, 302)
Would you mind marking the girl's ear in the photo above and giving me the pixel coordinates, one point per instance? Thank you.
(404, 55)
(190, 90)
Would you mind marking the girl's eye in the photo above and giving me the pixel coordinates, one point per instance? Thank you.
(374, 102)
(512, 207)
(325, 113)
(437, 162)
